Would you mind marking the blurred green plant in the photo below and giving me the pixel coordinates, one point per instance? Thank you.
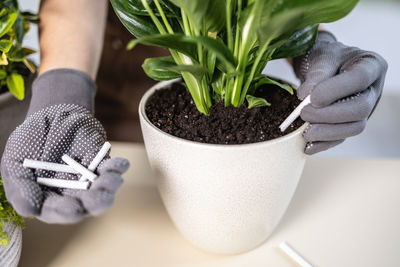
(220, 47)
(14, 65)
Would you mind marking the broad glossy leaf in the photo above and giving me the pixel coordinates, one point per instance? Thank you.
(209, 11)
(164, 68)
(256, 102)
(136, 7)
(138, 25)
(6, 22)
(266, 80)
(318, 11)
(298, 44)
(177, 42)
(18, 54)
(188, 46)
(19, 29)
(280, 25)
(155, 69)
(15, 84)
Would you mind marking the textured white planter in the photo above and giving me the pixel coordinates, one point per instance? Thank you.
(9, 256)
(223, 198)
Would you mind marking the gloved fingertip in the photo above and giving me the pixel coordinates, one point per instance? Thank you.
(119, 165)
(96, 202)
(109, 181)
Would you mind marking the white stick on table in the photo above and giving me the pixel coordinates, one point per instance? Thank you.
(79, 168)
(60, 183)
(295, 114)
(294, 255)
(48, 166)
(97, 159)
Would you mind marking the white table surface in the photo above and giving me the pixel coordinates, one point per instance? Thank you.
(345, 212)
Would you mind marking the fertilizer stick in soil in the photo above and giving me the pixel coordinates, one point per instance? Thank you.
(295, 114)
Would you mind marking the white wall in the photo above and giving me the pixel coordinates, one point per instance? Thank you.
(372, 25)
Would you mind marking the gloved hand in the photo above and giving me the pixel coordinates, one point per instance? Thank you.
(345, 84)
(59, 122)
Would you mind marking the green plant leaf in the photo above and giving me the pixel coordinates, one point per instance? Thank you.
(177, 42)
(154, 68)
(188, 46)
(5, 45)
(266, 80)
(318, 11)
(280, 25)
(3, 74)
(207, 11)
(17, 54)
(298, 44)
(16, 85)
(256, 102)
(164, 68)
(6, 22)
(19, 29)
(138, 25)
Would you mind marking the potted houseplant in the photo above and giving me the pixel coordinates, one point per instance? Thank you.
(16, 74)
(224, 171)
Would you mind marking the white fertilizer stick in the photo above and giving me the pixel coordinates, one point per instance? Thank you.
(289, 251)
(100, 156)
(295, 114)
(97, 159)
(79, 168)
(60, 183)
(48, 166)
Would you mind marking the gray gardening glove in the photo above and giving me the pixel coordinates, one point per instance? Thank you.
(59, 122)
(345, 84)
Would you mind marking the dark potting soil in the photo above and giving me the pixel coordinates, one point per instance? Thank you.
(173, 111)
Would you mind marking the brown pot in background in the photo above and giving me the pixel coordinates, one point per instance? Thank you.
(13, 111)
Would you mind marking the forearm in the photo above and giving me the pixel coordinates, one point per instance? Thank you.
(71, 34)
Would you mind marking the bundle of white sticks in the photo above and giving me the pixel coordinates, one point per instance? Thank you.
(71, 166)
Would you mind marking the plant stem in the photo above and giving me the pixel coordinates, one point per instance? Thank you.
(164, 18)
(185, 23)
(156, 21)
(252, 72)
(229, 24)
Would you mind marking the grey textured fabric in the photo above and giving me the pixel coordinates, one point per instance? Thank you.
(345, 84)
(72, 87)
(47, 135)
(56, 126)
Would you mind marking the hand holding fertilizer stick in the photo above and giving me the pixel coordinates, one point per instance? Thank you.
(72, 167)
(295, 114)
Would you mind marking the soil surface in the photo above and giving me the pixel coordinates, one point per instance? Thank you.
(173, 111)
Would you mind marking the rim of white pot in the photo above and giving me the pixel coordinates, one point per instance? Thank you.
(163, 84)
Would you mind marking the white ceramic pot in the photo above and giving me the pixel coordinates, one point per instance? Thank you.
(223, 198)
(9, 255)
